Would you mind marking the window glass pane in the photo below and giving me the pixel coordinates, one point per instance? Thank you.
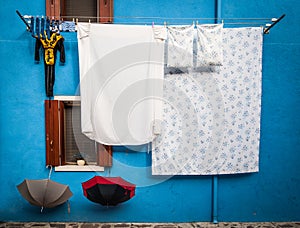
(77, 143)
(81, 9)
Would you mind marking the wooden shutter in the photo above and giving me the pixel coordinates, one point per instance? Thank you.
(104, 157)
(53, 9)
(54, 119)
(106, 11)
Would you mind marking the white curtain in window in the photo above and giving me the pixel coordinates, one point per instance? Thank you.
(211, 118)
(121, 73)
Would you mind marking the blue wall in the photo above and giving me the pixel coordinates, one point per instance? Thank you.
(270, 195)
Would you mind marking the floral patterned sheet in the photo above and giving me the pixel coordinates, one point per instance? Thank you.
(211, 115)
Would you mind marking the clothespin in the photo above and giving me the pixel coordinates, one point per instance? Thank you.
(152, 24)
(165, 24)
(268, 25)
(89, 21)
(275, 21)
(76, 23)
(59, 26)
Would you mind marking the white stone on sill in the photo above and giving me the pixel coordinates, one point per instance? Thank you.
(77, 168)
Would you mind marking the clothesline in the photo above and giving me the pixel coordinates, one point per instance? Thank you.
(267, 23)
(160, 18)
(168, 21)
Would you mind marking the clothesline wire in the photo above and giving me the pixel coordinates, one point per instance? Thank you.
(168, 21)
(167, 18)
(157, 18)
(161, 23)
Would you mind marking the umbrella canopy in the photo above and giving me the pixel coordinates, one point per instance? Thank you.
(108, 191)
(44, 193)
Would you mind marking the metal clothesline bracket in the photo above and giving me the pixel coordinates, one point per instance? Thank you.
(275, 21)
(266, 29)
(25, 22)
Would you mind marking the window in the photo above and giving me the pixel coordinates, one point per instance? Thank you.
(75, 143)
(94, 10)
(64, 140)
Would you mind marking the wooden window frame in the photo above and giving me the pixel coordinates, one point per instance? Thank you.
(54, 125)
(55, 9)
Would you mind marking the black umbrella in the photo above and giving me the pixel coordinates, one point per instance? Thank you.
(108, 191)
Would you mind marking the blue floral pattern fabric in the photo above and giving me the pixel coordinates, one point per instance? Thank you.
(209, 44)
(211, 118)
(180, 46)
(68, 26)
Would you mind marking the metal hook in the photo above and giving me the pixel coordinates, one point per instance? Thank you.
(266, 31)
(25, 22)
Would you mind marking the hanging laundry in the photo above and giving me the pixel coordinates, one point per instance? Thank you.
(48, 32)
(54, 26)
(32, 26)
(68, 26)
(209, 45)
(180, 46)
(121, 73)
(160, 32)
(160, 36)
(50, 46)
(43, 28)
(37, 27)
(211, 119)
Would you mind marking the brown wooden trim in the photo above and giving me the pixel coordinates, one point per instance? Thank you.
(54, 124)
(52, 142)
(61, 114)
(53, 9)
(104, 155)
(63, 10)
(106, 11)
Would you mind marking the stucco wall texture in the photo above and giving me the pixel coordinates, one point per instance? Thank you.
(272, 194)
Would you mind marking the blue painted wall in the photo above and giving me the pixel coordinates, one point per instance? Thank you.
(273, 194)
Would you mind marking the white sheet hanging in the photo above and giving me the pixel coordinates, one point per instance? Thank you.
(121, 72)
(180, 46)
(211, 119)
(209, 45)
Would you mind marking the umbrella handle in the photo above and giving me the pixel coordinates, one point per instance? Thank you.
(69, 207)
(50, 171)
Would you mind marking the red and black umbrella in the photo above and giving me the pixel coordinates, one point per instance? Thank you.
(108, 191)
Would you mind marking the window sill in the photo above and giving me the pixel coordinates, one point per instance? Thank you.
(77, 168)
